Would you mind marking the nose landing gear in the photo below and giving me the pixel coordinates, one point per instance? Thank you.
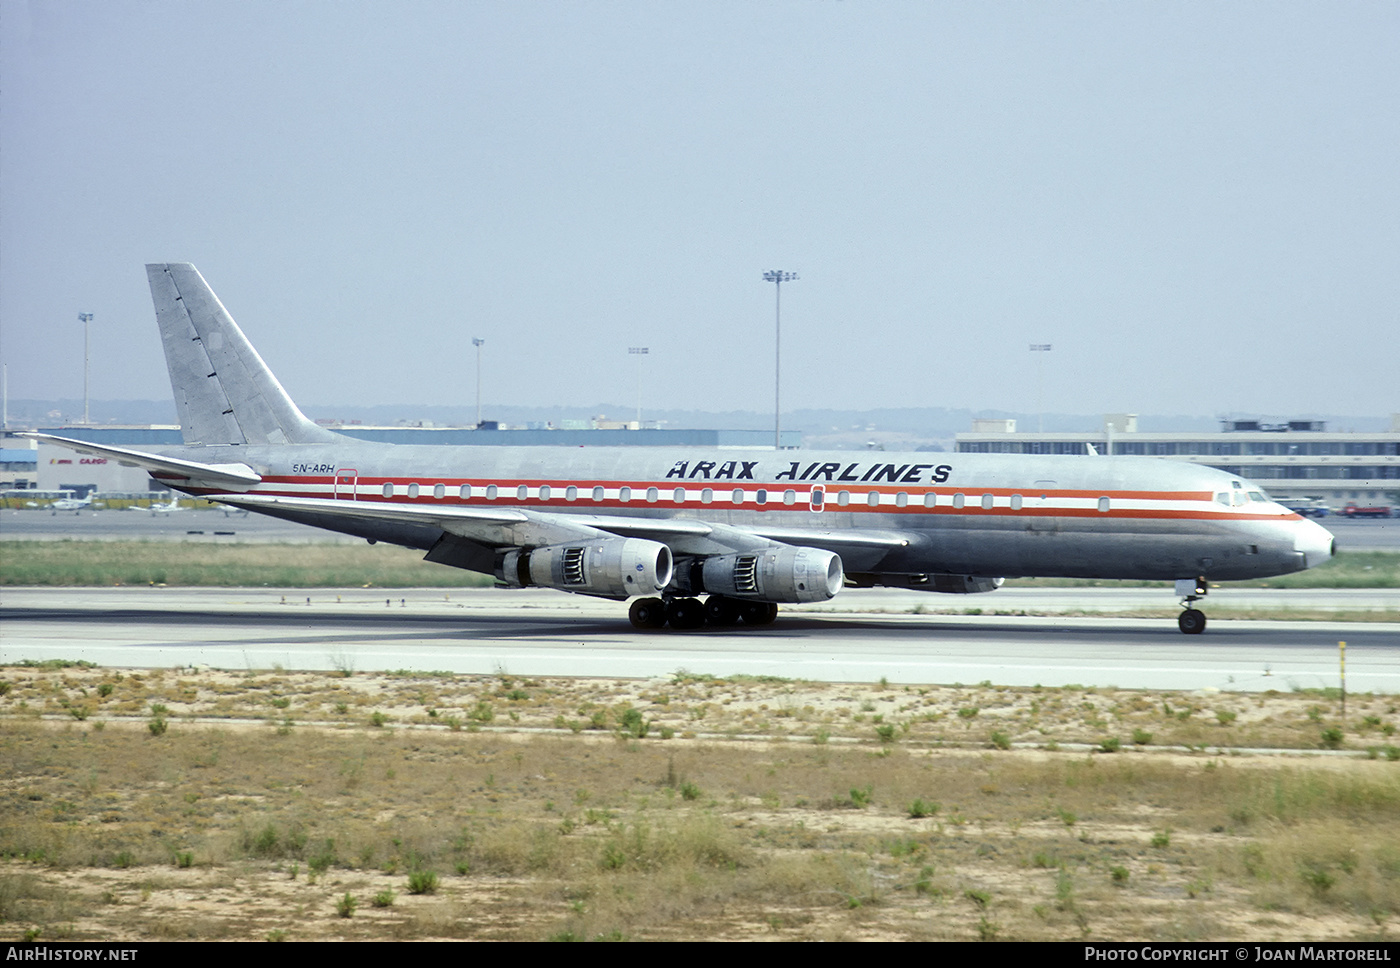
(1191, 621)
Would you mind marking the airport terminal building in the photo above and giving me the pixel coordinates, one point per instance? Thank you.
(1292, 460)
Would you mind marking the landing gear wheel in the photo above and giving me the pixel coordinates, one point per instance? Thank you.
(1192, 621)
(685, 613)
(721, 611)
(647, 613)
(758, 613)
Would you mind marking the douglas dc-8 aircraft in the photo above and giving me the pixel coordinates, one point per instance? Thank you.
(662, 526)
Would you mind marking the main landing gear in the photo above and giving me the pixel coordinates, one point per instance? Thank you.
(1191, 621)
(691, 613)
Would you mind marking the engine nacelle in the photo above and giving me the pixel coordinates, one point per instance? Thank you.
(784, 574)
(607, 567)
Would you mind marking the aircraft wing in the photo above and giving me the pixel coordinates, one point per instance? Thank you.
(513, 527)
(164, 468)
(494, 527)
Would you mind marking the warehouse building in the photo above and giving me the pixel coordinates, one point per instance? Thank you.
(1293, 460)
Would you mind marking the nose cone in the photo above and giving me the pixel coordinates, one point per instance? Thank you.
(1315, 542)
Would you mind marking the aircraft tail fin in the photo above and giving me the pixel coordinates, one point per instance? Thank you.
(224, 392)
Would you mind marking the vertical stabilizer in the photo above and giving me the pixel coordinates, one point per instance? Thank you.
(224, 392)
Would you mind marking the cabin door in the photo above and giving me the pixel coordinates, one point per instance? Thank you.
(345, 481)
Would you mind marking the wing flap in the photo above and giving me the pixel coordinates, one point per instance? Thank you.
(495, 527)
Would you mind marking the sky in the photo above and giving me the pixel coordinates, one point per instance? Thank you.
(1196, 204)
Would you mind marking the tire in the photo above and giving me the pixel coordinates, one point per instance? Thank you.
(758, 613)
(1192, 621)
(685, 613)
(721, 611)
(647, 614)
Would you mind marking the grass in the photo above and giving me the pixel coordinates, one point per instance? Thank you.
(1348, 569)
(106, 563)
(93, 563)
(224, 828)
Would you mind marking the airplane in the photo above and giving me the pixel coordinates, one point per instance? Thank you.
(171, 508)
(660, 528)
(73, 504)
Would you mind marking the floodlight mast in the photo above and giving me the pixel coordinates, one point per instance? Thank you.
(86, 320)
(639, 352)
(778, 277)
(1039, 348)
(478, 344)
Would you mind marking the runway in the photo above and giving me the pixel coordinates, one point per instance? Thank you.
(546, 633)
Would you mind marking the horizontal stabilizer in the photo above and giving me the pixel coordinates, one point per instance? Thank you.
(165, 468)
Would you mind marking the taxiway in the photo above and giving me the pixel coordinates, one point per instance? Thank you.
(545, 633)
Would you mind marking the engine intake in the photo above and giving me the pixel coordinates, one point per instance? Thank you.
(609, 567)
(784, 574)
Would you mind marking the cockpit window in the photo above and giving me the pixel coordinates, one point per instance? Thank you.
(1223, 498)
(1257, 496)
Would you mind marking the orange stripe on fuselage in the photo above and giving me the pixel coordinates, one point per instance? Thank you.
(325, 487)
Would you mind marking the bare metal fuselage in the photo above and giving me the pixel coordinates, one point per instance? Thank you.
(974, 514)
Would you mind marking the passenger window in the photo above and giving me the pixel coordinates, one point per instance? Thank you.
(988, 501)
(522, 493)
(465, 492)
(761, 497)
(597, 494)
(817, 498)
(706, 496)
(544, 492)
(388, 490)
(930, 499)
(1103, 505)
(1015, 502)
(843, 498)
(624, 494)
(491, 492)
(789, 496)
(412, 490)
(873, 499)
(439, 491)
(958, 501)
(653, 495)
(678, 495)
(738, 496)
(901, 500)
(571, 493)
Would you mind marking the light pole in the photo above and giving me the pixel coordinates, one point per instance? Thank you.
(85, 319)
(639, 352)
(778, 277)
(478, 344)
(1040, 381)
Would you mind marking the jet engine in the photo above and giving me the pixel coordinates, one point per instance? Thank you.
(779, 574)
(615, 568)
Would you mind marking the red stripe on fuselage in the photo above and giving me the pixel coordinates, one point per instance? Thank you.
(325, 487)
